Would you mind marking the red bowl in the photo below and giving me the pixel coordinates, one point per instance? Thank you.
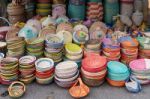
(94, 63)
(116, 83)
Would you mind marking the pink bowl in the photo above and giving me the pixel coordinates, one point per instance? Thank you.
(140, 64)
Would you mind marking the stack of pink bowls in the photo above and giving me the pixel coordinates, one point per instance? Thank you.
(140, 69)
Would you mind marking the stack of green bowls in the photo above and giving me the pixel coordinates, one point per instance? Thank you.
(8, 70)
(43, 7)
(27, 69)
(16, 47)
(35, 47)
(73, 52)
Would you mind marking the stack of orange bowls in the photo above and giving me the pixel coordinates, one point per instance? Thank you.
(129, 49)
(111, 50)
(93, 70)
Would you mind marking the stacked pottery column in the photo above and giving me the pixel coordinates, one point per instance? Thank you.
(43, 7)
(94, 10)
(76, 9)
(129, 49)
(111, 8)
(73, 52)
(117, 73)
(9, 70)
(66, 73)
(44, 70)
(16, 13)
(54, 48)
(93, 70)
(27, 69)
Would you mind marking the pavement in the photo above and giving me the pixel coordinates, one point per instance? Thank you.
(52, 91)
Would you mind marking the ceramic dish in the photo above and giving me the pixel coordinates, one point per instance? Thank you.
(44, 64)
(26, 60)
(73, 49)
(67, 79)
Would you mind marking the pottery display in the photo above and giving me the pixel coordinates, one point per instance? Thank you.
(93, 70)
(66, 73)
(140, 70)
(117, 73)
(44, 70)
(9, 70)
(15, 13)
(54, 48)
(27, 69)
(16, 47)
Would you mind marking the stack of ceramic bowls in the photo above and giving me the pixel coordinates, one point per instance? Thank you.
(117, 73)
(140, 69)
(111, 50)
(94, 70)
(129, 49)
(16, 47)
(73, 52)
(44, 70)
(44, 7)
(54, 47)
(8, 70)
(16, 13)
(66, 73)
(27, 69)
(92, 46)
(35, 47)
(144, 50)
(94, 10)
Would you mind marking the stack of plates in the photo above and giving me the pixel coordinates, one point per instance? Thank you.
(140, 69)
(92, 46)
(16, 47)
(44, 7)
(8, 70)
(73, 52)
(94, 70)
(66, 73)
(44, 70)
(35, 47)
(144, 51)
(27, 69)
(111, 50)
(129, 49)
(117, 73)
(54, 48)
